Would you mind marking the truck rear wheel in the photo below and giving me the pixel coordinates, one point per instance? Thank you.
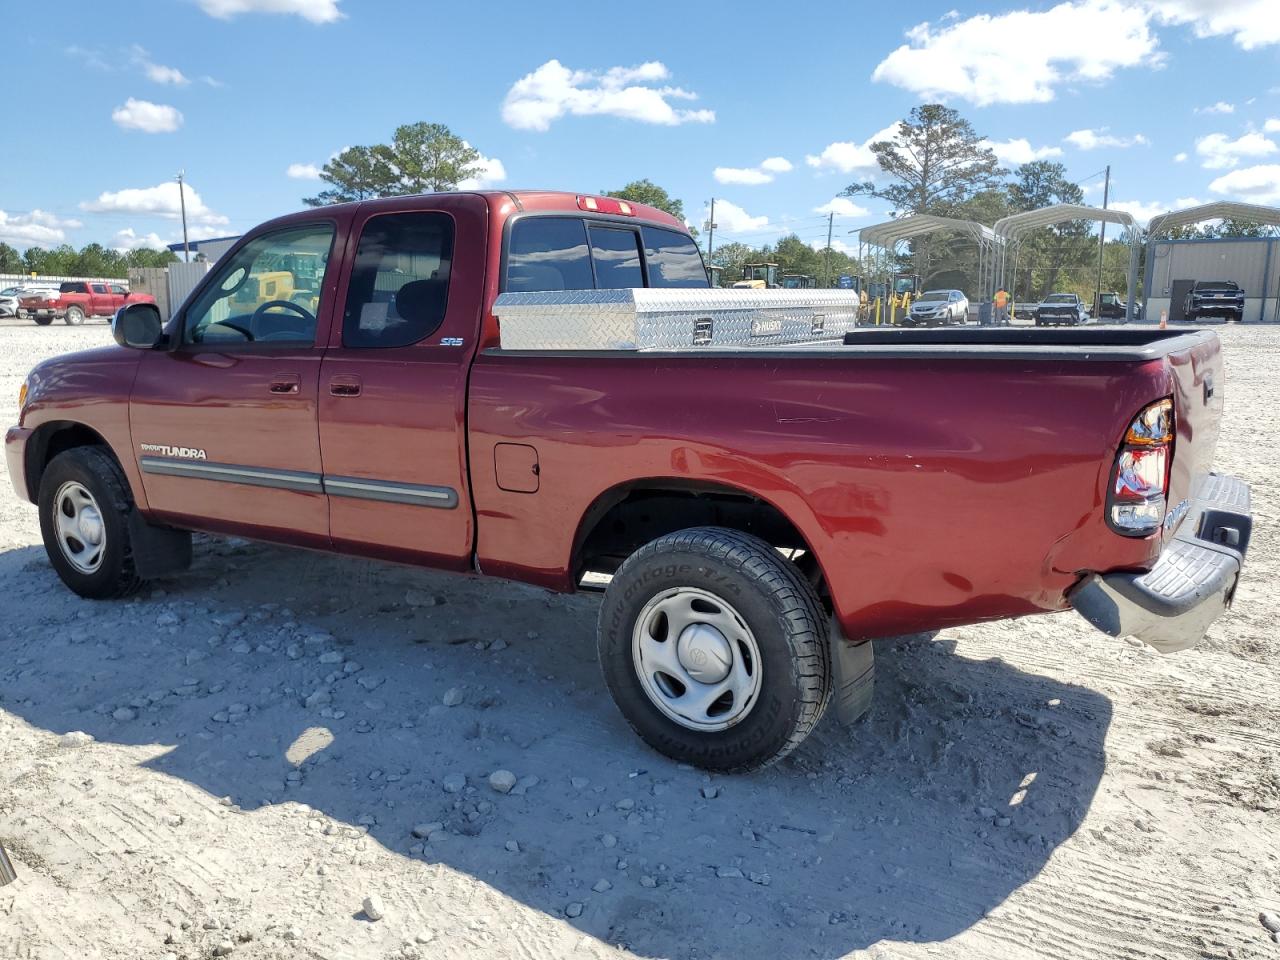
(85, 506)
(715, 649)
(73, 317)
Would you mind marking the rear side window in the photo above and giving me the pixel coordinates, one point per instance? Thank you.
(616, 254)
(549, 253)
(399, 287)
(674, 260)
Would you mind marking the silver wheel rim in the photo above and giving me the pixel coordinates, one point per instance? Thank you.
(697, 659)
(77, 520)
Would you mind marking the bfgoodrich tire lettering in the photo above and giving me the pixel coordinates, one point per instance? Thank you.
(93, 469)
(778, 606)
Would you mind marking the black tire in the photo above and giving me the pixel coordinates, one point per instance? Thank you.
(783, 614)
(73, 317)
(42, 321)
(96, 471)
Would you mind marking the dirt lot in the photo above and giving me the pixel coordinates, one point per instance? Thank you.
(239, 758)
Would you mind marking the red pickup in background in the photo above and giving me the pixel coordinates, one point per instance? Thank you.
(78, 299)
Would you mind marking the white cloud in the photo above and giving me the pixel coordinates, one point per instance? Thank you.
(1220, 107)
(147, 116)
(849, 157)
(1272, 125)
(842, 207)
(1217, 152)
(838, 245)
(1144, 210)
(1180, 157)
(161, 200)
(1260, 184)
(731, 218)
(159, 73)
(553, 91)
(751, 176)
(1019, 151)
(1022, 56)
(1250, 23)
(1093, 139)
(317, 11)
(36, 228)
(491, 172)
(127, 239)
(303, 171)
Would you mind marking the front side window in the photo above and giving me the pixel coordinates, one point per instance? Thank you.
(674, 260)
(616, 254)
(116, 288)
(267, 292)
(399, 285)
(548, 253)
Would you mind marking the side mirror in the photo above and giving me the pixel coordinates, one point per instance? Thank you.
(137, 325)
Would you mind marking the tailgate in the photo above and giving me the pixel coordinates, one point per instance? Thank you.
(1198, 382)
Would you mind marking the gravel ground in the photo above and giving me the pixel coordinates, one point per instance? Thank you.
(284, 754)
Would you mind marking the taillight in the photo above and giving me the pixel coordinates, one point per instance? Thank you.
(1140, 480)
(606, 205)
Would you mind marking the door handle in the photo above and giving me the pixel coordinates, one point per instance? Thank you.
(344, 387)
(286, 383)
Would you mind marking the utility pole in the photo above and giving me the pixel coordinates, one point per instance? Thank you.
(1102, 238)
(711, 231)
(182, 202)
(831, 222)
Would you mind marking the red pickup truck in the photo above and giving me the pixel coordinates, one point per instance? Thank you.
(543, 387)
(77, 299)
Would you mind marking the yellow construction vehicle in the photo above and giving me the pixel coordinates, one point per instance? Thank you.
(906, 287)
(713, 275)
(758, 276)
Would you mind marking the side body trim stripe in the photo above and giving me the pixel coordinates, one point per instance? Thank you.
(387, 491)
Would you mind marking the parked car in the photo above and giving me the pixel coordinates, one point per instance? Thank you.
(937, 308)
(1215, 298)
(1112, 306)
(10, 297)
(1061, 309)
(77, 299)
(506, 384)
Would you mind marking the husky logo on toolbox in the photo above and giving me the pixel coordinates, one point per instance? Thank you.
(179, 453)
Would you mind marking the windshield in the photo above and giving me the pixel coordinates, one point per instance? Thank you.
(1217, 285)
(934, 296)
(1060, 298)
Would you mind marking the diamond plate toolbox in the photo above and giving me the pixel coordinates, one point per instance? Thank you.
(672, 319)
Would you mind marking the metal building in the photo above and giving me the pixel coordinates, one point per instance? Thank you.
(210, 249)
(1252, 262)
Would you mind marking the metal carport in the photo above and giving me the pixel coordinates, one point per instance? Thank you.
(889, 234)
(1011, 228)
(1218, 210)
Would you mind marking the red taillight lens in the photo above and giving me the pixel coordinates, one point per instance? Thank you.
(1140, 479)
(606, 205)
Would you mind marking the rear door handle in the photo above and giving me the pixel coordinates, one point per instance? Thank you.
(286, 383)
(344, 387)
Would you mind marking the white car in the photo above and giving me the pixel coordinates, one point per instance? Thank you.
(938, 308)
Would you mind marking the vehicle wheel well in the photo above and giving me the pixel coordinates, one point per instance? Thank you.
(51, 439)
(626, 518)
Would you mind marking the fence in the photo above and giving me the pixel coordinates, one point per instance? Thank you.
(18, 279)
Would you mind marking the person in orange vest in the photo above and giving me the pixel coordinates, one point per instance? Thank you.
(1001, 302)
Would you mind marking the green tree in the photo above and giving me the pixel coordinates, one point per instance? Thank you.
(10, 259)
(648, 192)
(421, 157)
(936, 162)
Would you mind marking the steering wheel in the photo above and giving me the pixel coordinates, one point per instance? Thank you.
(284, 304)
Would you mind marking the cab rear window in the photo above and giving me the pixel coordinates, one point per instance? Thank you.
(568, 253)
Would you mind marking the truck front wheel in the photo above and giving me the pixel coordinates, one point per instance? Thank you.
(715, 649)
(84, 518)
(73, 317)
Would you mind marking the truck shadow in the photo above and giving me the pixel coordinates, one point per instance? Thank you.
(909, 827)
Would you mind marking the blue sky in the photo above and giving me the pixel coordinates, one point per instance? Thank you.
(766, 107)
